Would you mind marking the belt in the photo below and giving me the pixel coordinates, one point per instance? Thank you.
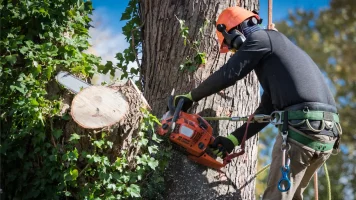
(312, 115)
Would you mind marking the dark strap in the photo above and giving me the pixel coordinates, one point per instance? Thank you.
(285, 122)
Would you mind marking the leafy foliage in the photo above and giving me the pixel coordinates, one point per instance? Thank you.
(38, 159)
(113, 179)
(38, 38)
(191, 63)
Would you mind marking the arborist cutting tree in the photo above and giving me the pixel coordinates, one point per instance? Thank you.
(292, 83)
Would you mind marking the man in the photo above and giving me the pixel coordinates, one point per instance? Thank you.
(291, 82)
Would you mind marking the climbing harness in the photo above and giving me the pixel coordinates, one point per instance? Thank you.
(282, 119)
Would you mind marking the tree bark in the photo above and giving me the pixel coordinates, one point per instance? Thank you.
(163, 52)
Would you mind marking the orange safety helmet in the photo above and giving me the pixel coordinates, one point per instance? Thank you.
(231, 17)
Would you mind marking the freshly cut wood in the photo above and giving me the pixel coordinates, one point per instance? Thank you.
(98, 106)
(114, 109)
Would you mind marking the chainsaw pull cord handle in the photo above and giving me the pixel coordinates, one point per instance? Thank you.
(228, 158)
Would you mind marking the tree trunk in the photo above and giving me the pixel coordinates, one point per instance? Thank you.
(163, 52)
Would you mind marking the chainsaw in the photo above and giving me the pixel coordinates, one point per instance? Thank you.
(191, 133)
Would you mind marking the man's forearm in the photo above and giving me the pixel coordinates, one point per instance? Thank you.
(214, 83)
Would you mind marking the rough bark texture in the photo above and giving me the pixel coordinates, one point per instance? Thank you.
(163, 52)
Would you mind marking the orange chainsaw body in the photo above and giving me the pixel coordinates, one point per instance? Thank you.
(193, 134)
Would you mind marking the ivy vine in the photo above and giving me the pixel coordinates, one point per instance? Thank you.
(38, 161)
(192, 62)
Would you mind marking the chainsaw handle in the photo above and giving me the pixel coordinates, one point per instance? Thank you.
(177, 110)
(170, 104)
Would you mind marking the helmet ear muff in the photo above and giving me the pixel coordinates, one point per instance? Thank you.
(250, 22)
(234, 39)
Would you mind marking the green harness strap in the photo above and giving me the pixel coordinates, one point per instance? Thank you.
(316, 145)
(312, 115)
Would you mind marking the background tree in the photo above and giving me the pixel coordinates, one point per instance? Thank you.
(180, 51)
(328, 36)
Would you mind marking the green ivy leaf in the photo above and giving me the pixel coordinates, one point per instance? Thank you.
(134, 190)
(73, 155)
(152, 163)
(48, 71)
(23, 49)
(143, 142)
(74, 137)
(156, 139)
(99, 143)
(200, 58)
(153, 149)
(66, 116)
(20, 89)
(57, 133)
(96, 158)
(67, 194)
(110, 144)
(34, 102)
(74, 174)
(11, 59)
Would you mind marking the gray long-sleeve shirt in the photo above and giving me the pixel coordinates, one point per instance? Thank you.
(287, 75)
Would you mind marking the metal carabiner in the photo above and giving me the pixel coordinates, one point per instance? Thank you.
(284, 179)
(284, 139)
(276, 118)
(285, 172)
(261, 118)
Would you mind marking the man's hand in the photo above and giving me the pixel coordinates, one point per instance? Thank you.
(188, 101)
(273, 27)
(224, 145)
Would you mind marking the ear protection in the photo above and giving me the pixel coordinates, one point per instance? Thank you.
(234, 38)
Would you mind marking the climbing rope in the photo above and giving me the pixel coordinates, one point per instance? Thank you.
(328, 186)
(263, 169)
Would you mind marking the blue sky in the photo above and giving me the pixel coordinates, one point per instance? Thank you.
(107, 38)
(114, 8)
